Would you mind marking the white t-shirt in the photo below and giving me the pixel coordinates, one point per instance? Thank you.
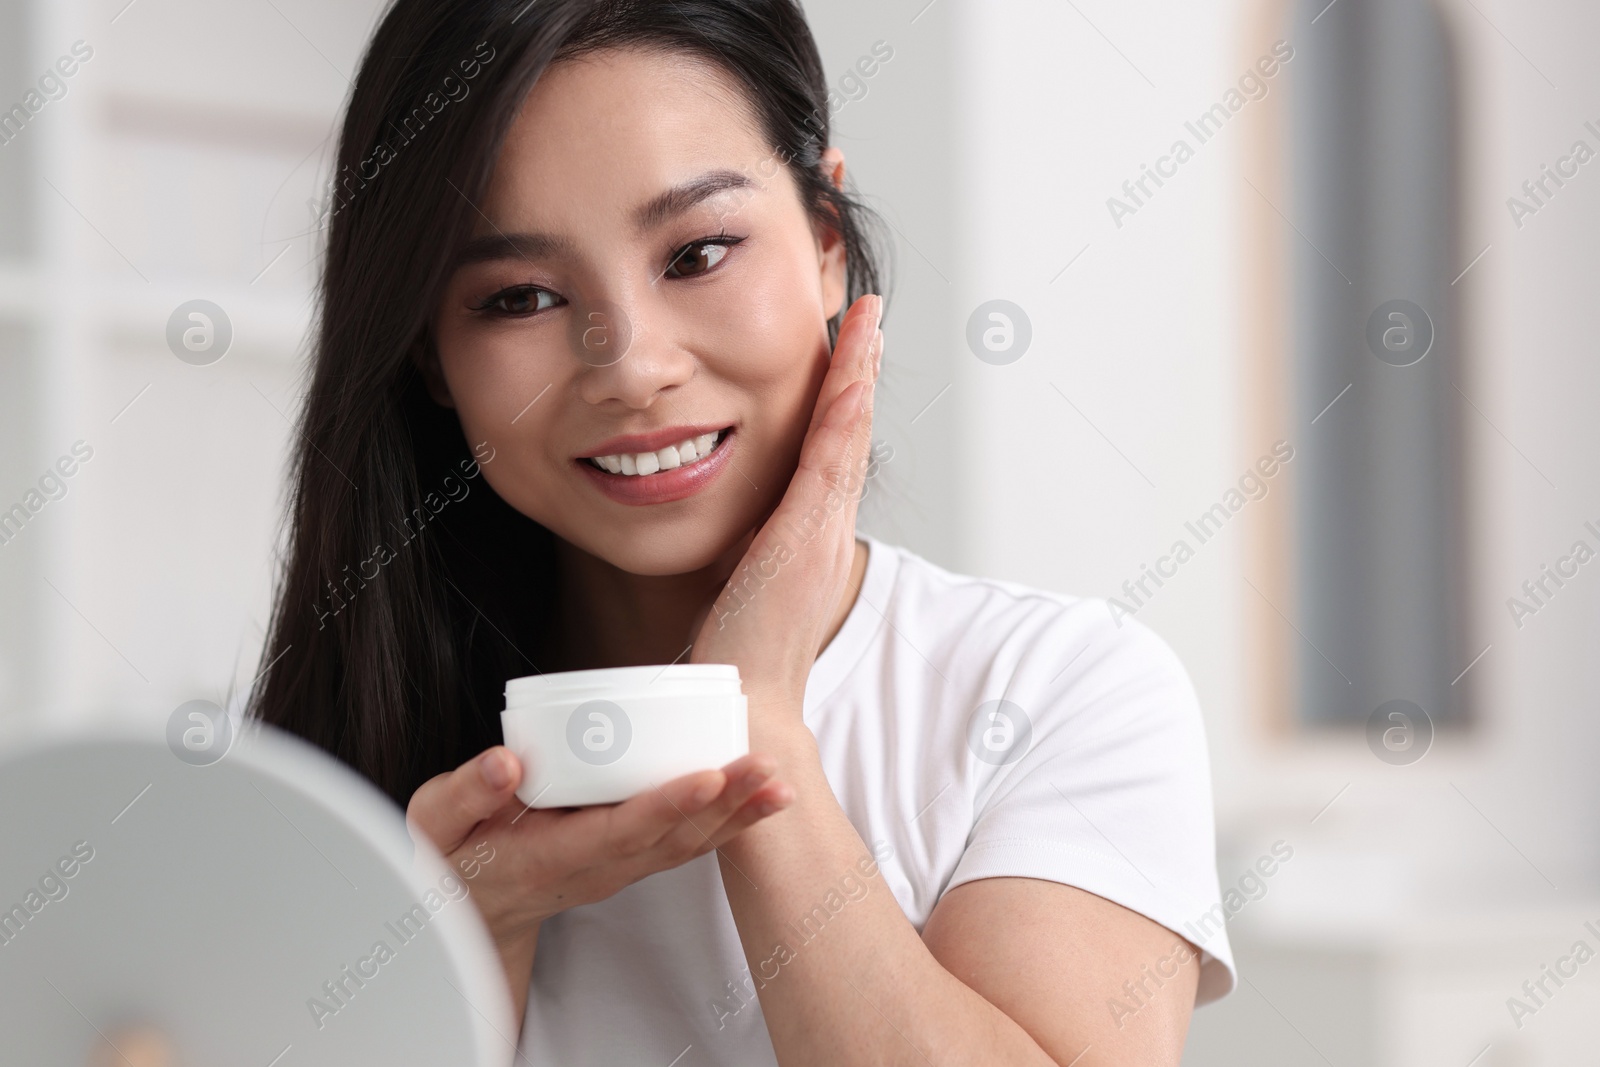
(1094, 774)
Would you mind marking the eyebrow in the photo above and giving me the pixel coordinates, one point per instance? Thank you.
(660, 209)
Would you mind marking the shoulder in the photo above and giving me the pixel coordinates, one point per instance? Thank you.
(1079, 739)
(1058, 648)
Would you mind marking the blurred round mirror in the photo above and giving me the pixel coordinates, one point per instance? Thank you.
(266, 907)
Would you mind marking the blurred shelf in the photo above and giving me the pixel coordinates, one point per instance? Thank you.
(268, 323)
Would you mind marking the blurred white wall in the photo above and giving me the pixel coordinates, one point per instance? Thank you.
(179, 165)
(176, 167)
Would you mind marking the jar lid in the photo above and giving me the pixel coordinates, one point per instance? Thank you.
(545, 685)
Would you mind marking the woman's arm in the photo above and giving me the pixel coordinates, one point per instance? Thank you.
(1012, 971)
(1084, 976)
(1007, 971)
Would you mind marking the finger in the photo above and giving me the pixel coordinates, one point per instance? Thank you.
(834, 459)
(832, 467)
(640, 822)
(860, 450)
(448, 806)
(745, 776)
(856, 361)
(694, 805)
(852, 355)
(767, 801)
(826, 485)
(773, 796)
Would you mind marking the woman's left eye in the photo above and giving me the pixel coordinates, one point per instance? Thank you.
(700, 257)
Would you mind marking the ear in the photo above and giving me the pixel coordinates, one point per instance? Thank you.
(433, 375)
(830, 246)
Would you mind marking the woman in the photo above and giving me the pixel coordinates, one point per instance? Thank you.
(593, 387)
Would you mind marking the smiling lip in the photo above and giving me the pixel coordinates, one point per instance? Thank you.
(654, 441)
(662, 487)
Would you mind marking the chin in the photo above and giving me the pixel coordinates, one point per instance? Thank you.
(659, 553)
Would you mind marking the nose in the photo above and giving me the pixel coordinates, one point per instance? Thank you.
(629, 351)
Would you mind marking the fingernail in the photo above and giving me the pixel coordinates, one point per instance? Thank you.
(704, 794)
(877, 352)
(766, 807)
(877, 310)
(494, 769)
(751, 779)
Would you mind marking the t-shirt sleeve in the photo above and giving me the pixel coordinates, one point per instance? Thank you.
(1098, 776)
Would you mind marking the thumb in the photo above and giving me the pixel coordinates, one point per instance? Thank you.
(448, 806)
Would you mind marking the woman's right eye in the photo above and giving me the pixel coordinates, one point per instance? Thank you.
(520, 300)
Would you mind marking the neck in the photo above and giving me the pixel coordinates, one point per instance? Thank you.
(608, 617)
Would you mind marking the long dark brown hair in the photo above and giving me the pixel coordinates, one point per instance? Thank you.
(410, 591)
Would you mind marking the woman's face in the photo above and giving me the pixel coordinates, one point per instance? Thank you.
(642, 273)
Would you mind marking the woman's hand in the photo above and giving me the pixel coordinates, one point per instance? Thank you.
(774, 614)
(542, 861)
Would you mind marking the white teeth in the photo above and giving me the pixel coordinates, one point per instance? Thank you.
(640, 463)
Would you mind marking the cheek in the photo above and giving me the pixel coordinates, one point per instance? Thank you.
(493, 374)
(775, 356)
(769, 334)
(504, 384)
(772, 346)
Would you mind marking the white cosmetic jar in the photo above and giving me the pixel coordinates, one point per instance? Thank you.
(601, 736)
